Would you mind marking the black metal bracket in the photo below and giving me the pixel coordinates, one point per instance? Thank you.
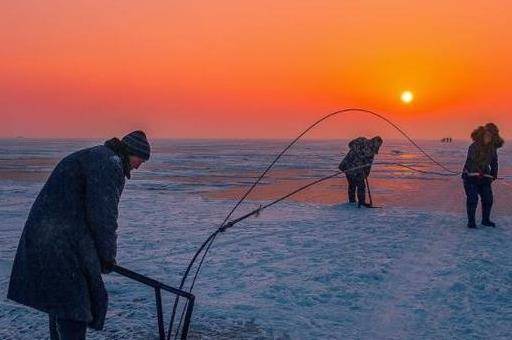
(158, 287)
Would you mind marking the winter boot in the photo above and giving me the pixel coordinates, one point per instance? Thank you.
(486, 215)
(471, 210)
(488, 223)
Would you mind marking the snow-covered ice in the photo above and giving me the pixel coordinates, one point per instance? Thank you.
(309, 268)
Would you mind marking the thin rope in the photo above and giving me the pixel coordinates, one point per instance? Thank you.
(239, 202)
(232, 223)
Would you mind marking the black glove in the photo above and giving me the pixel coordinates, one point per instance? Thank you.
(106, 266)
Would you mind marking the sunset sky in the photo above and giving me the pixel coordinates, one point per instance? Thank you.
(253, 69)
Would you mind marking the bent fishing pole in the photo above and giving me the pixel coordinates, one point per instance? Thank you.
(158, 286)
(211, 238)
(206, 245)
(257, 211)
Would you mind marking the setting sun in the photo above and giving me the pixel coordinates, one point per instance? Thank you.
(407, 97)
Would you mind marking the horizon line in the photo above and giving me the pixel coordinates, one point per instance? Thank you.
(213, 138)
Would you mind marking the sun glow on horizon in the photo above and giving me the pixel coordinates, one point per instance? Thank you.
(205, 69)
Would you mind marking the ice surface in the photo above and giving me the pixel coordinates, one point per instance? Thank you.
(309, 268)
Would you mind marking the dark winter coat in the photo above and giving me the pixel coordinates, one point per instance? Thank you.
(482, 159)
(70, 231)
(362, 152)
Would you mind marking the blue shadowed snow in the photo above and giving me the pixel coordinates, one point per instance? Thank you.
(302, 270)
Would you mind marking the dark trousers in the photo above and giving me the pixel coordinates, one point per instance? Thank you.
(67, 329)
(475, 187)
(356, 183)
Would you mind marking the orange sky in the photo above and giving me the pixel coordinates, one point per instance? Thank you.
(255, 69)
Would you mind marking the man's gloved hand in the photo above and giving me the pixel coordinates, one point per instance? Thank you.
(106, 266)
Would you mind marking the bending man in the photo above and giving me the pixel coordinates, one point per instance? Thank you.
(70, 237)
(357, 165)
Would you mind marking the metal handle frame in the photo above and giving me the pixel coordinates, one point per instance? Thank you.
(158, 287)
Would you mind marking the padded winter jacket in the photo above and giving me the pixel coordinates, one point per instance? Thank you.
(70, 230)
(482, 160)
(361, 155)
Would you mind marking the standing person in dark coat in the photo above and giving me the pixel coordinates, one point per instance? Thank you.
(70, 236)
(357, 165)
(480, 170)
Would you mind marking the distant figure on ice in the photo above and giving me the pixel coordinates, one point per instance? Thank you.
(480, 170)
(359, 159)
(70, 237)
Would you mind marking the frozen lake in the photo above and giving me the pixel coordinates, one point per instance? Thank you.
(311, 267)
